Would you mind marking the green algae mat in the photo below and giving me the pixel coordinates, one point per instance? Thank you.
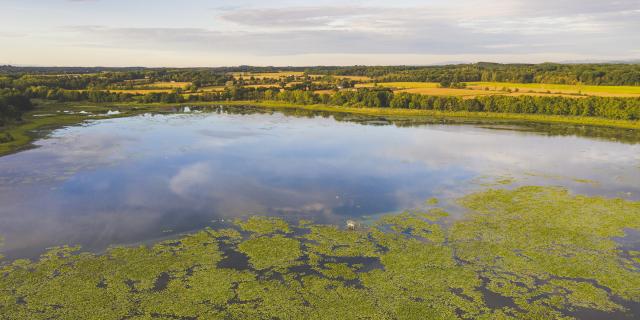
(528, 253)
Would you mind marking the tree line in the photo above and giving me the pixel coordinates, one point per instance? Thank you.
(13, 103)
(552, 73)
(549, 73)
(603, 107)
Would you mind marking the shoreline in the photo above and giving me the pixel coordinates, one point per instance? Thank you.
(590, 121)
(24, 133)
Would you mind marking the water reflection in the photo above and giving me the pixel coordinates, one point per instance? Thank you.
(126, 180)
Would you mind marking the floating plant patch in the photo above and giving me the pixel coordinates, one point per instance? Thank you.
(528, 253)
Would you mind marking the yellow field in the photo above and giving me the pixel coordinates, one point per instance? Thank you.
(466, 93)
(427, 88)
(141, 91)
(212, 89)
(275, 85)
(267, 75)
(324, 92)
(560, 89)
(169, 85)
(400, 85)
(496, 88)
(354, 78)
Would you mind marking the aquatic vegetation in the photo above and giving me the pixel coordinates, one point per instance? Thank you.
(534, 243)
(494, 181)
(432, 201)
(527, 253)
(271, 252)
(586, 181)
(263, 225)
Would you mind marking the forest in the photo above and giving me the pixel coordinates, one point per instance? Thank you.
(552, 73)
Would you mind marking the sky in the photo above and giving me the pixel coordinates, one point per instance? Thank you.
(189, 33)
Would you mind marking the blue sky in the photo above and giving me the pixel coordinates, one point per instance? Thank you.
(219, 33)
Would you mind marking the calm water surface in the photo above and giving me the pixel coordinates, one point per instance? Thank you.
(129, 180)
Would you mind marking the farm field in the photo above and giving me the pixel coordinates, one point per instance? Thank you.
(324, 91)
(465, 93)
(353, 78)
(212, 89)
(139, 91)
(400, 85)
(267, 75)
(432, 89)
(475, 89)
(285, 74)
(603, 91)
(170, 85)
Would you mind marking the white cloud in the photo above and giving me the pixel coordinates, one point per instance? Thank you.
(277, 31)
(190, 178)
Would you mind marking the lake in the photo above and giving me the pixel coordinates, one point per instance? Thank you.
(139, 179)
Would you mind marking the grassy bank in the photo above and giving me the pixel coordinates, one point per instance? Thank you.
(591, 121)
(51, 115)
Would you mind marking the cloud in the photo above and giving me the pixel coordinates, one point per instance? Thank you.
(299, 17)
(521, 27)
(574, 7)
(561, 28)
(190, 178)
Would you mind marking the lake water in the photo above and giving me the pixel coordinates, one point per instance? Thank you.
(137, 179)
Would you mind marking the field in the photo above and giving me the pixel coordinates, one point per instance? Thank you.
(401, 85)
(212, 89)
(475, 89)
(140, 91)
(354, 78)
(169, 85)
(603, 91)
(324, 91)
(466, 93)
(273, 85)
(428, 88)
(285, 74)
(154, 87)
(267, 75)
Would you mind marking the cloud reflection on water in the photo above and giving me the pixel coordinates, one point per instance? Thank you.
(128, 180)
